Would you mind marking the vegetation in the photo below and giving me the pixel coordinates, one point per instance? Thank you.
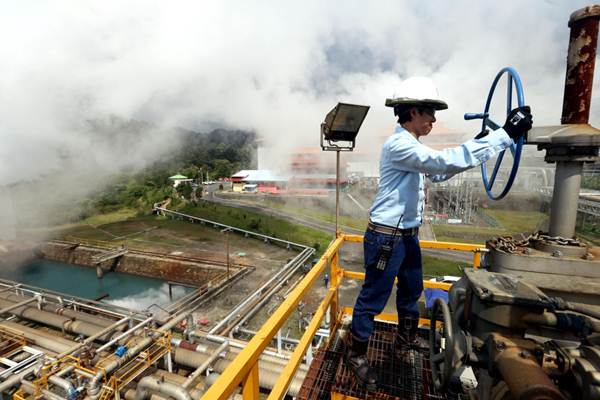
(433, 266)
(512, 222)
(590, 182)
(352, 222)
(260, 223)
(219, 153)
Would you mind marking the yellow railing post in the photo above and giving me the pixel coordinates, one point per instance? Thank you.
(250, 388)
(244, 369)
(247, 358)
(476, 259)
(334, 283)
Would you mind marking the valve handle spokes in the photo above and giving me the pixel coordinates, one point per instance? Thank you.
(513, 82)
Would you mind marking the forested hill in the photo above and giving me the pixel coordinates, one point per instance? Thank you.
(220, 153)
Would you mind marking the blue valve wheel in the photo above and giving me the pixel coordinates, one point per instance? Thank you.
(513, 80)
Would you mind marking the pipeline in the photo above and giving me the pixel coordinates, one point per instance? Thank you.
(304, 254)
(20, 304)
(267, 296)
(64, 384)
(15, 379)
(61, 310)
(205, 365)
(124, 334)
(171, 390)
(30, 388)
(41, 338)
(94, 385)
(106, 312)
(269, 371)
(162, 375)
(240, 345)
(90, 339)
(201, 298)
(57, 321)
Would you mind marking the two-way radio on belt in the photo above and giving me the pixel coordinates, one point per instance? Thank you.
(385, 251)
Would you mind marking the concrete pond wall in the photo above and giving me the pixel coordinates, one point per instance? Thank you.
(191, 272)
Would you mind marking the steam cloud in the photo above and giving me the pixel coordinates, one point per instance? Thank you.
(272, 67)
(157, 296)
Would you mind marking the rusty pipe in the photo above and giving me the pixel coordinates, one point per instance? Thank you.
(515, 360)
(524, 377)
(581, 60)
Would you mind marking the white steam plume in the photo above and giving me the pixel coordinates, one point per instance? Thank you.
(272, 67)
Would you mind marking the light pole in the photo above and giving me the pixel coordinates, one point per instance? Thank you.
(226, 231)
(338, 133)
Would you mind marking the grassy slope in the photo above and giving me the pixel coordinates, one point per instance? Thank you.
(124, 221)
(261, 223)
(356, 223)
(293, 232)
(512, 221)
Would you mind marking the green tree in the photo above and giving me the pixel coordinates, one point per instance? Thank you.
(185, 190)
(222, 168)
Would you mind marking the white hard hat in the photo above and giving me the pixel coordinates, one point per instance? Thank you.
(417, 91)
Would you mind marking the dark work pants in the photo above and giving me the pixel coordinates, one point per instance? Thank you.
(405, 264)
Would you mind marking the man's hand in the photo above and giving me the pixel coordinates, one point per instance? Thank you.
(518, 122)
(482, 134)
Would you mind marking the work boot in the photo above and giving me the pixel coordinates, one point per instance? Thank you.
(355, 357)
(407, 338)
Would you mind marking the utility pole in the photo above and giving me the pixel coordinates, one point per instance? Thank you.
(226, 231)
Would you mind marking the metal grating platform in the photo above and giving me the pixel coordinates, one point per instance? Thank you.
(397, 379)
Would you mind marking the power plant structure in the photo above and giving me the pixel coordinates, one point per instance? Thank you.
(523, 322)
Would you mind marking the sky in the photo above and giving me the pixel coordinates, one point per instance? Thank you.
(273, 67)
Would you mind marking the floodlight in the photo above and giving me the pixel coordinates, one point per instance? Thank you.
(342, 123)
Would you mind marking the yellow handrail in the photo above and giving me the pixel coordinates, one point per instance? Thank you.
(288, 372)
(244, 368)
(247, 359)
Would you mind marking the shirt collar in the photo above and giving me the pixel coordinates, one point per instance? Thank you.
(399, 129)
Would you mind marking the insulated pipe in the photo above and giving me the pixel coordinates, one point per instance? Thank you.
(193, 359)
(233, 343)
(131, 393)
(122, 335)
(15, 379)
(304, 254)
(205, 365)
(41, 338)
(268, 371)
(94, 385)
(30, 388)
(17, 305)
(63, 383)
(90, 339)
(57, 321)
(250, 313)
(61, 310)
(167, 388)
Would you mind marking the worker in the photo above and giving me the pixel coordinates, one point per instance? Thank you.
(391, 242)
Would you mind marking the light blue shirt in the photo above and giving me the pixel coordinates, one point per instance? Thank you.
(404, 164)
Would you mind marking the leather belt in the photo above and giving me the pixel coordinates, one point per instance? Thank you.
(388, 230)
